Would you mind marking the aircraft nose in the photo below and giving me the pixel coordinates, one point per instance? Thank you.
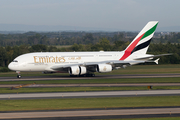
(11, 66)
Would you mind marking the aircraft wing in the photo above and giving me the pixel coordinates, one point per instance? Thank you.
(114, 63)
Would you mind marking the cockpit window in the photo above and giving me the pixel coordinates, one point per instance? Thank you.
(15, 61)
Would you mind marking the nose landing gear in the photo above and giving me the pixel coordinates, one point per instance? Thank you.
(19, 74)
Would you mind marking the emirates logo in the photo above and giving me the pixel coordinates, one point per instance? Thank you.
(104, 68)
(77, 70)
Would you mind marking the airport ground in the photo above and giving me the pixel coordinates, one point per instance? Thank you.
(136, 79)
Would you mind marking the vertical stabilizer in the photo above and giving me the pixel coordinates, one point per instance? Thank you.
(141, 42)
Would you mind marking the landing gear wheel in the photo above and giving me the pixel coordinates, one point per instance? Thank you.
(18, 76)
(92, 75)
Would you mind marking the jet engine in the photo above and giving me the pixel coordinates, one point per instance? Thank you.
(77, 70)
(104, 68)
(83, 70)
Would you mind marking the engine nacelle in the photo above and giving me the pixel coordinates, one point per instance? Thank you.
(104, 68)
(77, 70)
(83, 70)
(74, 70)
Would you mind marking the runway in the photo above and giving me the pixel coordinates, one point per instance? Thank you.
(91, 114)
(93, 85)
(51, 77)
(89, 94)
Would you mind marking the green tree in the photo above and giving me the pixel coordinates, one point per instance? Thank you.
(38, 48)
(105, 44)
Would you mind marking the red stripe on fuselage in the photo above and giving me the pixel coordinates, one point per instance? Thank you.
(128, 51)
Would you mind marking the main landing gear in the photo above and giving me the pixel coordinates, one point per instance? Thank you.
(19, 74)
(90, 75)
(85, 75)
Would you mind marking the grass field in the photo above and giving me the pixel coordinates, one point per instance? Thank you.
(98, 81)
(87, 103)
(148, 69)
(167, 118)
(78, 89)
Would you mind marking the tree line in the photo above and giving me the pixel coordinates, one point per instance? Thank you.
(69, 38)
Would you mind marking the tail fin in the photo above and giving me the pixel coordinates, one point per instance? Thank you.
(141, 42)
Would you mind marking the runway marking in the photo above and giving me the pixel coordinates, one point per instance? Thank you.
(82, 113)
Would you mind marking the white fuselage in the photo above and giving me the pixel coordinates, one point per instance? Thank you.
(43, 61)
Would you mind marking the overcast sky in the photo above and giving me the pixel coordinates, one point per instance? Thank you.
(114, 14)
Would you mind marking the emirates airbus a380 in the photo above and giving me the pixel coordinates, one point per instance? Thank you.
(86, 63)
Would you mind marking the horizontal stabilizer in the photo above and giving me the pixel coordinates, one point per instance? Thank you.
(152, 56)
